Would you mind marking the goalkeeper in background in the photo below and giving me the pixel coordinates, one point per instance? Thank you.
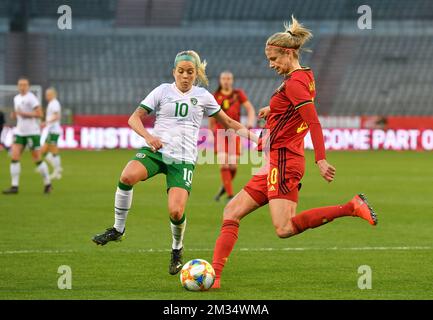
(2, 123)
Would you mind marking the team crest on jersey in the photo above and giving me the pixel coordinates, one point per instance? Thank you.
(194, 101)
(140, 155)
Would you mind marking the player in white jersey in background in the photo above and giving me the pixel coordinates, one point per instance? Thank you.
(27, 112)
(52, 121)
(171, 148)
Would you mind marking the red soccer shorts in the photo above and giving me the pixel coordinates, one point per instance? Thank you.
(279, 179)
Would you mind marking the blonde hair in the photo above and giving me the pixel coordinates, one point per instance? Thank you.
(200, 65)
(53, 90)
(295, 35)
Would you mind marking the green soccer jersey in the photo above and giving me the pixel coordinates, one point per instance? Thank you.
(178, 118)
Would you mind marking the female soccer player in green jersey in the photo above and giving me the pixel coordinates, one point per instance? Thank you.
(171, 148)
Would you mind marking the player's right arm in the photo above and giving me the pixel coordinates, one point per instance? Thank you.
(147, 105)
(135, 121)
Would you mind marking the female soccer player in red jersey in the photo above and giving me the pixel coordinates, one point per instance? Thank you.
(228, 147)
(290, 116)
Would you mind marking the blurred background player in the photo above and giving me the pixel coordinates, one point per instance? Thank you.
(228, 146)
(172, 148)
(52, 121)
(2, 123)
(290, 115)
(27, 112)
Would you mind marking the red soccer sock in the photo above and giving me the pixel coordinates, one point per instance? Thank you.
(316, 217)
(226, 178)
(233, 172)
(224, 245)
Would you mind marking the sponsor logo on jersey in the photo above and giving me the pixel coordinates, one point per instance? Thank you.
(272, 188)
(194, 101)
(226, 104)
(302, 127)
(140, 155)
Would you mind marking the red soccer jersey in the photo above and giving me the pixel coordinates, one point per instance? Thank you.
(293, 113)
(231, 104)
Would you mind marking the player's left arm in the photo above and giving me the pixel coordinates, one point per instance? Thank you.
(251, 114)
(301, 97)
(309, 115)
(239, 128)
(36, 113)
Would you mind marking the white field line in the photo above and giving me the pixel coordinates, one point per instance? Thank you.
(402, 248)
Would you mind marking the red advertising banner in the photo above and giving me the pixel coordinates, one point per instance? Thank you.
(396, 122)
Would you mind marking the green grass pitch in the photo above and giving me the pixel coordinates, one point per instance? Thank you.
(39, 233)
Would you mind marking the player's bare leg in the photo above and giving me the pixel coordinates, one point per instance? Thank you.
(42, 168)
(282, 211)
(46, 155)
(177, 199)
(228, 169)
(44, 149)
(15, 168)
(222, 159)
(53, 157)
(239, 207)
(133, 172)
(232, 166)
(287, 223)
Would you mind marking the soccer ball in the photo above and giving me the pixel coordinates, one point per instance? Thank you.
(197, 275)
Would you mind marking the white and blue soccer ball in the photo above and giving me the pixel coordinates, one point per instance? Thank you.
(197, 275)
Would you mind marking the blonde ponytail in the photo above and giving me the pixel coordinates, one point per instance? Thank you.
(200, 65)
(295, 35)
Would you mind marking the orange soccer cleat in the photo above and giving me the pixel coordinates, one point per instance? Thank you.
(363, 210)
